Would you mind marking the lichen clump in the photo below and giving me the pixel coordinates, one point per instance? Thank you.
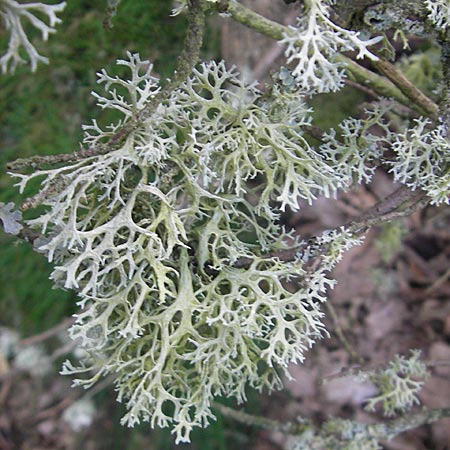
(152, 236)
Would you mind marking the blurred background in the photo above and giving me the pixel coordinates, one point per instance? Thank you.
(392, 294)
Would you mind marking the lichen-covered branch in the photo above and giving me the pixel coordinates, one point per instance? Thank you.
(188, 58)
(41, 161)
(253, 20)
(336, 433)
(401, 203)
(366, 77)
(407, 422)
(274, 30)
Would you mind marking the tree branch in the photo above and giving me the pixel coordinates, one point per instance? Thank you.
(353, 429)
(261, 422)
(372, 80)
(445, 102)
(407, 422)
(187, 60)
(47, 334)
(402, 202)
(410, 91)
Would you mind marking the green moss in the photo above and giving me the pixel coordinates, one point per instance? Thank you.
(326, 115)
(424, 70)
(389, 241)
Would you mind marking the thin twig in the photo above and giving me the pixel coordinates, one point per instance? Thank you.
(400, 109)
(407, 88)
(69, 347)
(261, 422)
(365, 89)
(70, 399)
(47, 334)
(58, 408)
(438, 282)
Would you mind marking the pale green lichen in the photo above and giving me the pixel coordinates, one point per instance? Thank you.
(398, 384)
(313, 43)
(354, 148)
(422, 159)
(12, 14)
(10, 218)
(150, 235)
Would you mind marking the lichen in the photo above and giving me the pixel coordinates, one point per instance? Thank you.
(399, 384)
(315, 41)
(422, 159)
(12, 14)
(151, 236)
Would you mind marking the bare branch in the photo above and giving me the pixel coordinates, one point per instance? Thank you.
(407, 88)
(261, 422)
(47, 334)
